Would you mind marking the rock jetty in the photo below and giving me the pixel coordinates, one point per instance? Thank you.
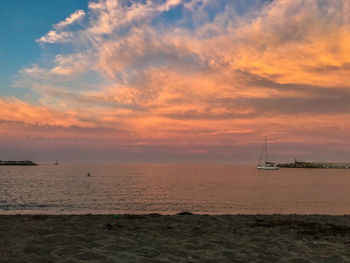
(309, 164)
(24, 163)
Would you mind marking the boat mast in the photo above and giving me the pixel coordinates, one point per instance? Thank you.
(261, 154)
(265, 149)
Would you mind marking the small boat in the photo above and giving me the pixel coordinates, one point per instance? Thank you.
(56, 163)
(266, 165)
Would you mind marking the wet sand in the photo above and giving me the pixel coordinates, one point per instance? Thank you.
(175, 238)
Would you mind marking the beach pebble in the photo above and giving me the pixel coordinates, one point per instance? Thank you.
(109, 227)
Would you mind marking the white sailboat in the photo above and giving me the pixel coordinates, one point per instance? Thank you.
(264, 157)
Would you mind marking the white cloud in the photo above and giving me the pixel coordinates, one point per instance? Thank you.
(58, 35)
(70, 64)
(34, 71)
(76, 16)
(55, 37)
(112, 14)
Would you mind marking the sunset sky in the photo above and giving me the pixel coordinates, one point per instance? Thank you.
(174, 80)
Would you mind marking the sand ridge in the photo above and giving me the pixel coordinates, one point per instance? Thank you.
(175, 238)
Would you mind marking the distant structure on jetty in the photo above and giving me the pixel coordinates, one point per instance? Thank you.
(309, 164)
(24, 163)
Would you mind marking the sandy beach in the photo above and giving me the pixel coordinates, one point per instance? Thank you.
(174, 238)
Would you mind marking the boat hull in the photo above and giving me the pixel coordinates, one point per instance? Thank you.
(263, 167)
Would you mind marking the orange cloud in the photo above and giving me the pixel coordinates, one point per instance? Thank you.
(228, 81)
(14, 110)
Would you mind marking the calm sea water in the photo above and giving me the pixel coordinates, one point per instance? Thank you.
(168, 189)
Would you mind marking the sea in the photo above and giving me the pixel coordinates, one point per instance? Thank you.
(171, 188)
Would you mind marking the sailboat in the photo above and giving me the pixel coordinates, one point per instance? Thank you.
(263, 157)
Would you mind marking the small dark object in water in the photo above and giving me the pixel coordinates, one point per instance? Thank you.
(88, 174)
(184, 214)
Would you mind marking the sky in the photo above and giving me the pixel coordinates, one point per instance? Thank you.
(200, 81)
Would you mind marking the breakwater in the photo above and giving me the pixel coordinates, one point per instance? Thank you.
(320, 165)
(24, 163)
